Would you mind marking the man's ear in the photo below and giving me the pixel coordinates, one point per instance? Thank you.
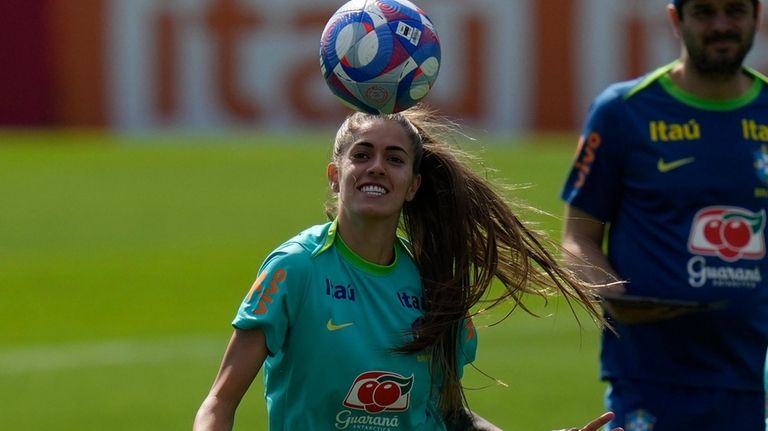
(674, 19)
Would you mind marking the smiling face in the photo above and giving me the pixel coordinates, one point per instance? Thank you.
(716, 34)
(374, 173)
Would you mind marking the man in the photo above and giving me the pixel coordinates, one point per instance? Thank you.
(672, 172)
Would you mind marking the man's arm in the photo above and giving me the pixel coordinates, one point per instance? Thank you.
(583, 240)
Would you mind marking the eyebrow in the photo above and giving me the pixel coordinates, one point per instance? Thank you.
(388, 148)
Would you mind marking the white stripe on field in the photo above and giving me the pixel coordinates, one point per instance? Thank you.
(113, 352)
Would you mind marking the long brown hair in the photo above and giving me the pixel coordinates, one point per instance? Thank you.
(463, 235)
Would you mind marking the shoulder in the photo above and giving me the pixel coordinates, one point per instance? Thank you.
(617, 92)
(301, 249)
(758, 76)
(620, 93)
(761, 81)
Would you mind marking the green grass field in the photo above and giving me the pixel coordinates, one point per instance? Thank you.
(123, 260)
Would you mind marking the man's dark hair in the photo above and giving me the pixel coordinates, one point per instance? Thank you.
(680, 3)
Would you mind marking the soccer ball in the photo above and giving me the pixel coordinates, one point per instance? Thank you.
(379, 56)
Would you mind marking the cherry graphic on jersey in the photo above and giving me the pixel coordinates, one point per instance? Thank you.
(733, 232)
(377, 392)
(386, 394)
(730, 233)
(374, 408)
(365, 393)
(727, 252)
(367, 396)
(737, 232)
(378, 395)
(712, 231)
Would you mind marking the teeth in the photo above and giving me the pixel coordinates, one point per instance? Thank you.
(373, 190)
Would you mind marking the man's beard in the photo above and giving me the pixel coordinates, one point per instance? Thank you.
(713, 65)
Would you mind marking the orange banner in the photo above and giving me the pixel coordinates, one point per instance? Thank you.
(141, 64)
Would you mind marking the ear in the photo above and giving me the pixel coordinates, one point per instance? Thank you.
(333, 176)
(674, 19)
(415, 184)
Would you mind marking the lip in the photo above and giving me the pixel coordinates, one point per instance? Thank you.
(727, 42)
(723, 41)
(376, 186)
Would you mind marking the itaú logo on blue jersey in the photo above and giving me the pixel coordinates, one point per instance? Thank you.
(754, 131)
(666, 132)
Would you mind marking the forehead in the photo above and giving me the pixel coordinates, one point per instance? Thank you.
(382, 131)
(717, 3)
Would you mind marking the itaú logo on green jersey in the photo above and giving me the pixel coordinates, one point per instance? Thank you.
(730, 233)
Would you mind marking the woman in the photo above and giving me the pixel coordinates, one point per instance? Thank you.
(361, 329)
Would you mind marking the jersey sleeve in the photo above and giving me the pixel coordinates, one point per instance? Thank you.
(593, 183)
(275, 297)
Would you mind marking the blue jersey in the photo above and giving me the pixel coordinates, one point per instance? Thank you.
(683, 183)
(331, 320)
(765, 383)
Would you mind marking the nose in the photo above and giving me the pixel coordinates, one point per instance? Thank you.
(377, 166)
(720, 21)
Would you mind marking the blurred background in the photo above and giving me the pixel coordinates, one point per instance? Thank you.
(136, 65)
(153, 151)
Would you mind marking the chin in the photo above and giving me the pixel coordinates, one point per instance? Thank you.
(377, 213)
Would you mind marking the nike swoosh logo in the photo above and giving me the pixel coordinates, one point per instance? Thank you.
(331, 327)
(665, 167)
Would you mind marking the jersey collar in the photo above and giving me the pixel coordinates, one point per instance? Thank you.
(662, 76)
(332, 238)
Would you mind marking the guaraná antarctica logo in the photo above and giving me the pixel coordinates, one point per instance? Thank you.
(731, 233)
(372, 394)
(380, 391)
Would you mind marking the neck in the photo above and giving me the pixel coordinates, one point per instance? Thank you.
(710, 86)
(373, 240)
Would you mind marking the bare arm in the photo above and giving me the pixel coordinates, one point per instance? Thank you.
(583, 239)
(242, 361)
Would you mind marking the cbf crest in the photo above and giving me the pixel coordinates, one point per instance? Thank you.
(761, 163)
(640, 420)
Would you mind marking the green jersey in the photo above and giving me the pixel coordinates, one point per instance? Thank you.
(331, 320)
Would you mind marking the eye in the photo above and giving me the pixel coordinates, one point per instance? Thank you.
(396, 160)
(359, 155)
(702, 12)
(737, 11)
